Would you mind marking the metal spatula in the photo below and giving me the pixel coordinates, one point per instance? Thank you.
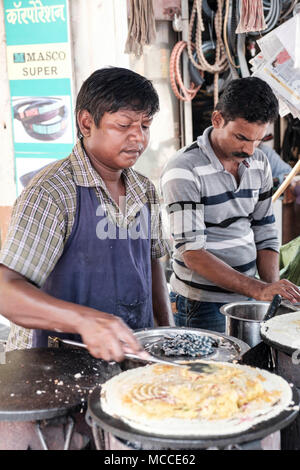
(146, 358)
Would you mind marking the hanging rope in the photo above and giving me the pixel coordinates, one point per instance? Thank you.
(141, 29)
(178, 87)
(270, 15)
(221, 63)
(252, 16)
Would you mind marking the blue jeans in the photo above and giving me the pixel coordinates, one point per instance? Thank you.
(196, 314)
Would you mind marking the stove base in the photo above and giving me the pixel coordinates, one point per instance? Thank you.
(290, 436)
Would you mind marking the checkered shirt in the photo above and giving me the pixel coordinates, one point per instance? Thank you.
(44, 213)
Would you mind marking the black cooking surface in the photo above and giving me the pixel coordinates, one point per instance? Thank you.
(276, 345)
(120, 429)
(43, 383)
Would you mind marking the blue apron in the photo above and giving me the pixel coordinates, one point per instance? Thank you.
(111, 274)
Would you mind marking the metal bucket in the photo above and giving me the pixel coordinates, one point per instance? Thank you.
(243, 320)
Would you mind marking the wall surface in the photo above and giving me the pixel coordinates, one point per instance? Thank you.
(99, 31)
(154, 64)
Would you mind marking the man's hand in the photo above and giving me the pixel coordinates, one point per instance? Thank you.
(268, 269)
(108, 337)
(285, 288)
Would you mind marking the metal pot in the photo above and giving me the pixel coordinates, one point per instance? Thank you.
(243, 319)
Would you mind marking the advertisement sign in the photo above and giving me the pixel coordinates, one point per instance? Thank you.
(40, 77)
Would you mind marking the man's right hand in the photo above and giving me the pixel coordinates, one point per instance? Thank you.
(108, 337)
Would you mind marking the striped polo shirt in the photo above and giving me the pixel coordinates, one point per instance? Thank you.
(208, 209)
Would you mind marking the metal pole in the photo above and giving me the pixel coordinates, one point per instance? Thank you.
(41, 436)
(69, 433)
(187, 124)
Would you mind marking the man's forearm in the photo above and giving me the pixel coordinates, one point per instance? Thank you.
(221, 274)
(268, 265)
(160, 296)
(105, 335)
(26, 305)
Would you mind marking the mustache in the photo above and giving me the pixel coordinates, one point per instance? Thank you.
(241, 154)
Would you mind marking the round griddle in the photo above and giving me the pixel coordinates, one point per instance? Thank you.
(289, 350)
(280, 347)
(43, 383)
(120, 429)
(226, 348)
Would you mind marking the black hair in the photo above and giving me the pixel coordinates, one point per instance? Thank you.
(110, 89)
(248, 98)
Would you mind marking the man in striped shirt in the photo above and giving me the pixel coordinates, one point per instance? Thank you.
(218, 194)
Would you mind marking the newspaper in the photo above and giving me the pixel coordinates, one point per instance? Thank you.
(278, 63)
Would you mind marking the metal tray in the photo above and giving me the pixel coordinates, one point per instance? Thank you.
(122, 430)
(227, 349)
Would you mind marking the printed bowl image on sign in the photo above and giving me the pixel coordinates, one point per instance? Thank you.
(40, 118)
